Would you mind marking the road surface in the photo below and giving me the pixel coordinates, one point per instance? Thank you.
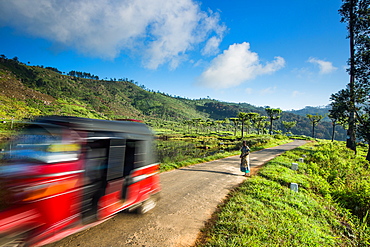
(189, 197)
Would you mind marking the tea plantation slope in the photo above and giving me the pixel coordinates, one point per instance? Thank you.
(101, 98)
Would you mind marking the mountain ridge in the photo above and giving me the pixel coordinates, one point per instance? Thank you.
(27, 91)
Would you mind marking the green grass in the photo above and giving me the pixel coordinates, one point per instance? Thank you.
(263, 211)
(184, 155)
(174, 165)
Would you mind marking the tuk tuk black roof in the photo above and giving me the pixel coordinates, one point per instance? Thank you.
(88, 124)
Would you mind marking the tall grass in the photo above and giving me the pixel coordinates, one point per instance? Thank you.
(330, 209)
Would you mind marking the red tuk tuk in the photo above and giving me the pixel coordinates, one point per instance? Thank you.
(65, 174)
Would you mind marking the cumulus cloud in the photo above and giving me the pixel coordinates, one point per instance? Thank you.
(160, 31)
(235, 66)
(324, 66)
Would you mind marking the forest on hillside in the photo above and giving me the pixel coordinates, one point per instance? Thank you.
(29, 91)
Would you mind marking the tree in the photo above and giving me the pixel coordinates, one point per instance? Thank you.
(218, 123)
(273, 114)
(314, 119)
(258, 122)
(205, 125)
(15, 59)
(188, 123)
(364, 127)
(242, 117)
(334, 123)
(2, 58)
(356, 14)
(236, 123)
(227, 123)
(252, 116)
(341, 109)
(196, 123)
(262, 124)
(289, 125)
(339, 112)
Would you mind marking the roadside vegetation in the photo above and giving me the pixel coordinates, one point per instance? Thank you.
(179, 152)
(330, 208)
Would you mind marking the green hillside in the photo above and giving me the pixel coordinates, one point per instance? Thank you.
(48, 92)
(28, 91)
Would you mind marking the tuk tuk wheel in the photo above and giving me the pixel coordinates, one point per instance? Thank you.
(148, 204)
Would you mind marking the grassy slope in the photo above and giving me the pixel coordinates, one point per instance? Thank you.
(325, 211)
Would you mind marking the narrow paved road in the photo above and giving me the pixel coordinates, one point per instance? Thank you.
(189, 197)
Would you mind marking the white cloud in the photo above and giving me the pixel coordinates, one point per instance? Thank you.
(269, 90)
(249, 90)
(324, 66)
(211, 47)
(161, 31)
(296, 94)
(302, 72)
(235, 66)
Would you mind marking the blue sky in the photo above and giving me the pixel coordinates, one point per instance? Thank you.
(284, 54)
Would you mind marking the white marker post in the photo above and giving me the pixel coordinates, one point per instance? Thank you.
(295, 166)
(294, 187)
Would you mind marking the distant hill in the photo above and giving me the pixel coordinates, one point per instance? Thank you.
(28, 91)
(323, 111)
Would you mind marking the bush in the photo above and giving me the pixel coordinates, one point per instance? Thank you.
(346, 173)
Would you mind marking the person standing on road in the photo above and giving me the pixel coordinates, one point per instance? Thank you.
(244, 156)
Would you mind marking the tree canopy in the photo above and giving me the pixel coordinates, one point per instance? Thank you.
(356, 13)
(351, 105)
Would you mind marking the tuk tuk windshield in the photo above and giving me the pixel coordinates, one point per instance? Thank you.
(41, 144)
